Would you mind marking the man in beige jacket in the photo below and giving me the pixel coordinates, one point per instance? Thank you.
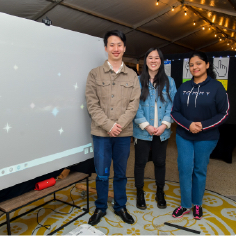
(112, 94)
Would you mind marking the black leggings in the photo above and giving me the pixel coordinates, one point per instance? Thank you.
(142, 148)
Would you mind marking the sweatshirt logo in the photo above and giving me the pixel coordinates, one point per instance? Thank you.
(195, 93)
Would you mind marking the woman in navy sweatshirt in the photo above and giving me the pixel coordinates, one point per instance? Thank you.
(200, 106)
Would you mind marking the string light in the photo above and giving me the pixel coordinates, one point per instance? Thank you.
(157, 2)
(215, 35)
(185, 13)
(203, 28)
(209, 28)
(220, 39)
(194, 23)
(209, 57)
(173, 8)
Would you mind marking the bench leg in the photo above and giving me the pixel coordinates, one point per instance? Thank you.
(87, 194)
(8, 224)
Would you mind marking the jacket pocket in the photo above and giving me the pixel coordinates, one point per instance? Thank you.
(103, 88)
(126, 89)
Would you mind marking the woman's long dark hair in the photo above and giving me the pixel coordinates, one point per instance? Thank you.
(160, 79)
(203, 56)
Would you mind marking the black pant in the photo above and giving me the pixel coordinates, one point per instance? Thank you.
(142, 149)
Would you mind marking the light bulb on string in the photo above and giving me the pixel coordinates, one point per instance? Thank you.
(203, 28)
(209, 28)
(215, 35)
(185, 13)
(220, 39)
(194, 23)
(173, 8)
(157, 3)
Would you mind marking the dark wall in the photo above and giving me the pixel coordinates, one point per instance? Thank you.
(232, 90)
(177, 73)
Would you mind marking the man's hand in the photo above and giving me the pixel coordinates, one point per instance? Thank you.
(115, 130)
(160, 130)
(150, 129)
(195, 127)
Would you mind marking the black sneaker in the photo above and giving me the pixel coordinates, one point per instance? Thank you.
(180, 211)
(197, 212)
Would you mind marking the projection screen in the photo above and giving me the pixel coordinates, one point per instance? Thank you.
(44, 122)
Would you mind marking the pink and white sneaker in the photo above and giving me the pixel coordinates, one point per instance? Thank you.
(180, 211)
(197, 212)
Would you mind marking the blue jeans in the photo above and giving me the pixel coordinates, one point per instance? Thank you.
(193, 158)
(106, 149)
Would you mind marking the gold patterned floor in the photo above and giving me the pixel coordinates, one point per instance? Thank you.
(219, 214)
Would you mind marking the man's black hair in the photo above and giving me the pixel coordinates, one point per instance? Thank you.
(117, 33)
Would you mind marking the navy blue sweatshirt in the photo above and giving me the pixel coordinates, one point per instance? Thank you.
(206, 102)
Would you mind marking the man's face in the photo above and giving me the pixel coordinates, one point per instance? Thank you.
(115, 48)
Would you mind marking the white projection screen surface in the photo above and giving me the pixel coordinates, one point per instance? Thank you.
(44, 122)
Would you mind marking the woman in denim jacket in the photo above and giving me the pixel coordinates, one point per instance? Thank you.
(152, 123)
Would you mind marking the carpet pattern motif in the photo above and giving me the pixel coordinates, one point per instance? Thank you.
(219, 214)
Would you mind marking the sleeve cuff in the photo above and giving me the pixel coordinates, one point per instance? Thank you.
(112, 127)
(168, 124)
(143, 125)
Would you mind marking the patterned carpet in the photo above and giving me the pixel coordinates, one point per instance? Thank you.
(219, 214)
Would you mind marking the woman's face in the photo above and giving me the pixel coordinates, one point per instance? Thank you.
(198, 67)
(153, 61)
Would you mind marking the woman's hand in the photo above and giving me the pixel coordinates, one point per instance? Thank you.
(195, 127)
(199, 124)
(150, 129)
(159, 131)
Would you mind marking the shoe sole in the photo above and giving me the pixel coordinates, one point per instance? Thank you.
(186, 212)
(197, 218)
(161, 207)
(141, 208)
(97, 221)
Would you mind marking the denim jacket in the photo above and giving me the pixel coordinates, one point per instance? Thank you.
(146, 111)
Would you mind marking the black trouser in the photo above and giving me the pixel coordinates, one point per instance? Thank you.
(142, 148)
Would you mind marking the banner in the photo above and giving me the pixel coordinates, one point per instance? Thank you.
(221, 67)
(167, 66)
(186, 72)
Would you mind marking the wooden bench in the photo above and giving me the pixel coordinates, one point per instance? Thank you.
(32, 196)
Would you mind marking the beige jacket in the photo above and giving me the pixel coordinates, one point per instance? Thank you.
(112, 98)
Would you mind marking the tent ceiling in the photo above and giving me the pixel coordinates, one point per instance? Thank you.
(145, 24)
